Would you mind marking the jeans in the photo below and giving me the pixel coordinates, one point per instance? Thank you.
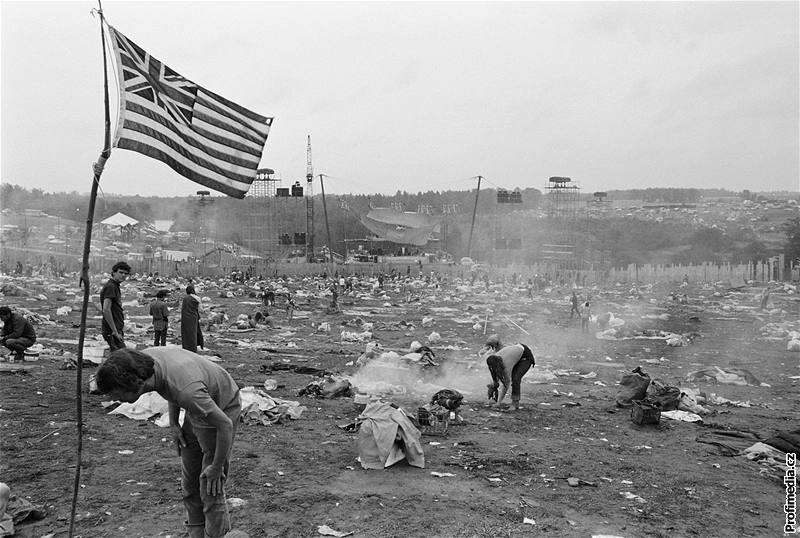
(114, 343)
(202, 508)
(520, 369)
(18, 345)
(160, 338)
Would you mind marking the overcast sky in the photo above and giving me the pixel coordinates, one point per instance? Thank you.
(423, 96)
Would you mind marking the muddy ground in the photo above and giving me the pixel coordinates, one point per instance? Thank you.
(509, 469)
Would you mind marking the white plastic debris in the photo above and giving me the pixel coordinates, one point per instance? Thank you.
(327, 531)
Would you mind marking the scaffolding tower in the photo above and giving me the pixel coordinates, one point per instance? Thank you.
(567, 244)
(273, 218)
(563, 198)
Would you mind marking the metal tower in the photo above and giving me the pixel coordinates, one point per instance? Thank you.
(309, 204)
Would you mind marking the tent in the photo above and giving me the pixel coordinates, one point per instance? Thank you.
(121, 222)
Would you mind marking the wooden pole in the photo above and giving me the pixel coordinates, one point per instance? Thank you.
(474, 212)
(84, 279)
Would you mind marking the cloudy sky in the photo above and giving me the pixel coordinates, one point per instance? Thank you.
(423, 96)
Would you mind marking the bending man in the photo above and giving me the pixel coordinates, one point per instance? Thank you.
(507, 365)
(210, 397)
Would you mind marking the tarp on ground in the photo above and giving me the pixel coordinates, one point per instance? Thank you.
(400, 227)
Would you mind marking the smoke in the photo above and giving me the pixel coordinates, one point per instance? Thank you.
(392, 375)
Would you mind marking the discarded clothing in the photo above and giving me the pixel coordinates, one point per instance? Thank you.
(729, 442)
(260, 408)
(330, 387)
(387, 436)
(633, 386)
(787, 441)
(448, 398)
(683, 416)
(730, 376)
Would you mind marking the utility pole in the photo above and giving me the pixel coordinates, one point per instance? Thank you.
(474, 212)
(309, 204)
(327, 226)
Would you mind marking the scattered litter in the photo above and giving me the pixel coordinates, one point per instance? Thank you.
(236, 502)
(631, 496)
(528, 521)
(327, 531)
(441, 475)
(683, 416)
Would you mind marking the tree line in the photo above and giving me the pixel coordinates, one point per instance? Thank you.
(619, 241)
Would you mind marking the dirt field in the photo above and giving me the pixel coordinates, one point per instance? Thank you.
(509, 469)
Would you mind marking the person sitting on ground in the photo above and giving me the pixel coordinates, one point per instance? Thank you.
(210, 397)
(507, 365)
(18, 333)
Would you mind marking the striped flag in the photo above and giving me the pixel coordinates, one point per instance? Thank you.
(197, 133)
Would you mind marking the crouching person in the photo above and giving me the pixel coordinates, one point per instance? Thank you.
(18, 333)
(507, 365)
(210, 397)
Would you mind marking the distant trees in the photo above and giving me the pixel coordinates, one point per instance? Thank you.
(621, 240)
(791, 248)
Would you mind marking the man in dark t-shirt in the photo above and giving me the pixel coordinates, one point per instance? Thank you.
(111, 301)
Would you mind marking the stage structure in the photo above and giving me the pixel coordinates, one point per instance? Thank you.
(400, 227)
(569, 243)
(274, 218)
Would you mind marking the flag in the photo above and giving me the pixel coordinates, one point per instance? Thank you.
(197, 133)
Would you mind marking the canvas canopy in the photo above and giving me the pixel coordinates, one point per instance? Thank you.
(120, 219)
(400, 227)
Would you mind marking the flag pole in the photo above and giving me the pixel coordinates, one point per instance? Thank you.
(97, 169)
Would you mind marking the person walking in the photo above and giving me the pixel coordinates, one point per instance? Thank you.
(290, 306)
(18, 333)
(574, 309)
(507, 365)
(160, 312)
(210, 397)
(191, 334)
(111, 302)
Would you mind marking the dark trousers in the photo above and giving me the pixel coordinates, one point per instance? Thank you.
(201, 508)
(160, 337)
(18, 345)
(113, 342)
(525, 363)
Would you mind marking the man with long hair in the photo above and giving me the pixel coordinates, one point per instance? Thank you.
(210, 397)
(507, 365)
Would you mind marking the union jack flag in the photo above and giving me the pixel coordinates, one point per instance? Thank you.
(202, 136)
